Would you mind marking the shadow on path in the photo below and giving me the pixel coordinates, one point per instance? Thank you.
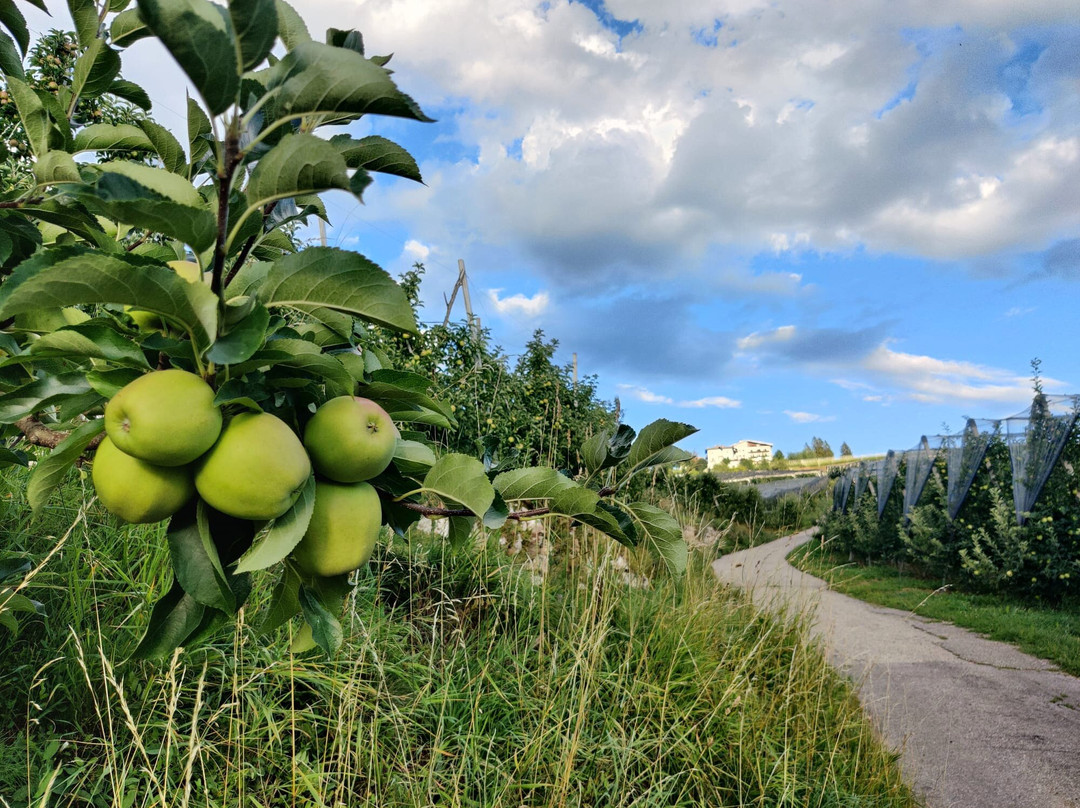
(978, 724)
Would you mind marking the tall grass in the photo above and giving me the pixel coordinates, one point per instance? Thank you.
(461, 683)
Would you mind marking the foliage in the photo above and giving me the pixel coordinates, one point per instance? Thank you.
(984, 549)
(818, 447)
(274, 328)
(845, 450)
(525, 412)
(459, 682)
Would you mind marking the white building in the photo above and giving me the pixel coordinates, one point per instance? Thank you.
(755, 451)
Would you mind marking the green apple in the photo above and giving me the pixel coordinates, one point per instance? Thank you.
(138, 491)
(167, 417)
(350, 439)
(343, 529)
(256, 469)
(189, 271)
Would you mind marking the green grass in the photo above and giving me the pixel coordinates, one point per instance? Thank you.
(461, 683)
(1045, 632)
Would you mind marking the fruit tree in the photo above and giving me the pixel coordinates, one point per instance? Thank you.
(160, 311)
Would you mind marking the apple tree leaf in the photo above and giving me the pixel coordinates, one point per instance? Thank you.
(15, 22)
(648, 449)
(375, 153)
(128, 27)
(175, 617)
(317, 79)
(92, 340)
(413, 457)
(195, 558)
(341, 280)
(101, 136)
(66, 276)
(460, 479)
(278, 538)
(662, 535)
(42, 393)
(200, 36)
(51, 470)
(608, 448)
(325, 628)
(256, 26)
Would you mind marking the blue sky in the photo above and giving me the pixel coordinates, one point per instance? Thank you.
(772, 220)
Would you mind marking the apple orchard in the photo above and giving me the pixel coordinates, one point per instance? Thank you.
(162, 318)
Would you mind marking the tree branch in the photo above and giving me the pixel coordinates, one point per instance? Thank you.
(18, 203)
(38, 434)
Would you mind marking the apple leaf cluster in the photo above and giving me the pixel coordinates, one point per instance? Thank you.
(119, 273)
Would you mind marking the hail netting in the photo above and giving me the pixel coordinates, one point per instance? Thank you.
(862, 477)
(886, 476)
(845, 492)
(920, 462)
(1035, 440)
(963, 457)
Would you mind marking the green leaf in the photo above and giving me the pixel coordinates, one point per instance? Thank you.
(200, 37)
(107, 383)
(413, 457)
(460, 530)
(299, 164)
(66, 276)
(325, 628)
(35, 119)
(608, 448)
(84, 14)
(95, 70)
(175, 617)
(100, 136)
(92, 340)
(317, 79)
(532, 483)
(341, 280)
(278, 538)
(167, 147)
(291, 27)
(153, 199)
(50, 471)
(256, 26)
(653, 439)
(15, 22)
(128, 27)
(460, 478)
(374, 153)
(662, 535)
(130, 91)
(195, 558)
(38, 395)
(199, 130)
(417, 415)
(242, 340)
(497, 514)
(12, 457)
(10, 58)
(302, 355)
(393, 388)
(284, 601)
(56, 166)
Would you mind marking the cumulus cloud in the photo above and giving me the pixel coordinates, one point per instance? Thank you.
(605, 150)
(519, 304)
(808, 417)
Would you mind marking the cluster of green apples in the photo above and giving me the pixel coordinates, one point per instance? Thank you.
(166, 440)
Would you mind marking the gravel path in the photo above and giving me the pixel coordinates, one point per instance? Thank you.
(978, 724)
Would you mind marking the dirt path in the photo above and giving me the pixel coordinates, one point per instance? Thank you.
(978, 723)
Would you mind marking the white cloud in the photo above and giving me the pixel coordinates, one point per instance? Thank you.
(932, 380)
(759, 338)
(649, 397)
(1019, 311)
(519, 304)
(808, 417)
(416, 250)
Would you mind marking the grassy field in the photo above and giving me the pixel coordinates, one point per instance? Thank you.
(1048, 633)
(462, 682)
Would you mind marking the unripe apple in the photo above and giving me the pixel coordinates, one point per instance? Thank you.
(256, 469)
(166, 417)
(343, 530)
(147, 320)
(350, 439)
(138, 491)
